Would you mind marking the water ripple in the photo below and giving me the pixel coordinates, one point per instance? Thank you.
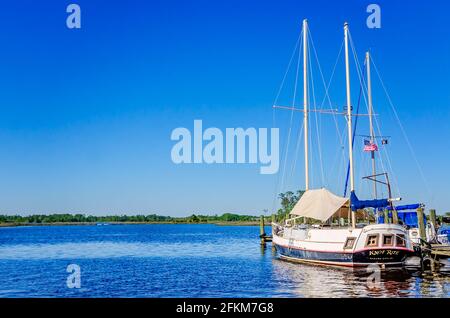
(121, 249)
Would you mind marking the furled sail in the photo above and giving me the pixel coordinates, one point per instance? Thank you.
(318, 204)
(358, 204)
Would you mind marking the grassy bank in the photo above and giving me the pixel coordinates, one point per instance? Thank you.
(80, 219)
(231, 223)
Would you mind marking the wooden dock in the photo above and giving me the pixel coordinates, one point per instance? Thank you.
(432, 255)
(440, 251)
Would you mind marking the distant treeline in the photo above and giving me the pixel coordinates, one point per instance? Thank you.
(151, 218)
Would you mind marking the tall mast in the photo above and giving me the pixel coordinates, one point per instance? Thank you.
(305, 99)
(349, 118)
(372, 138)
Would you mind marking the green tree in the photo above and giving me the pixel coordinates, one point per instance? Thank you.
(288, 200)
(194, 219)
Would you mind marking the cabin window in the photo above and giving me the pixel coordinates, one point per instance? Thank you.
(400, 240)
(388, 240)
(349, 243)
(372, 240)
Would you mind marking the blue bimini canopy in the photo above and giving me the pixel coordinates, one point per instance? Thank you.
(357, 204)
(445, 229)
(408, 218)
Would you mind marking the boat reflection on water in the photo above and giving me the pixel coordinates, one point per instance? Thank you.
(305, 280)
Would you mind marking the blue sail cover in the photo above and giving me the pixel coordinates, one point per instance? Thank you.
(405, 207)
(357, 204)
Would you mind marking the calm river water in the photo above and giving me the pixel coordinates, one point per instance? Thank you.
(178, 261)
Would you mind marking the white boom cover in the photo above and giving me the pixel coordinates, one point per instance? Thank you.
(318, 204)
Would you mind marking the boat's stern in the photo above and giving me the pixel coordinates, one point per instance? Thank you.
(384, 244)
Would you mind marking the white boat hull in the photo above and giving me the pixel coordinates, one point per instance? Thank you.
(328, 246)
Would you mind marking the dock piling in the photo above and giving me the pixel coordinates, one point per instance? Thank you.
(386, 217)
(262, 231)
(394, 216)
(421, 223)
(433, 217)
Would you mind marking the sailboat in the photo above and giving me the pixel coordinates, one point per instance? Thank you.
(387, 245)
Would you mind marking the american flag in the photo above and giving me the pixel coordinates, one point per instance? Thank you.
(369, 146)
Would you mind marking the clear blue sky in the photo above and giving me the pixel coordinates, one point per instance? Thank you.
(86, 115)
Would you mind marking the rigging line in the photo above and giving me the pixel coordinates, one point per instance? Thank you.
(361, 169)
(353, 139)
(317, 118)
(385, 152)
(327, 95)
(296, 78)
(311, 162)
(327, 86)
(403, 131)
(354, 130)
(297, 147)
(299, 40)
(361, 79)
(342, 161)
(277, 184)
(337, 165)
(280, 178)
(291, 119)
(317, 123)
(275, 187)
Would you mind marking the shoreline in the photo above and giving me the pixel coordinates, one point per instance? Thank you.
(219, 223)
